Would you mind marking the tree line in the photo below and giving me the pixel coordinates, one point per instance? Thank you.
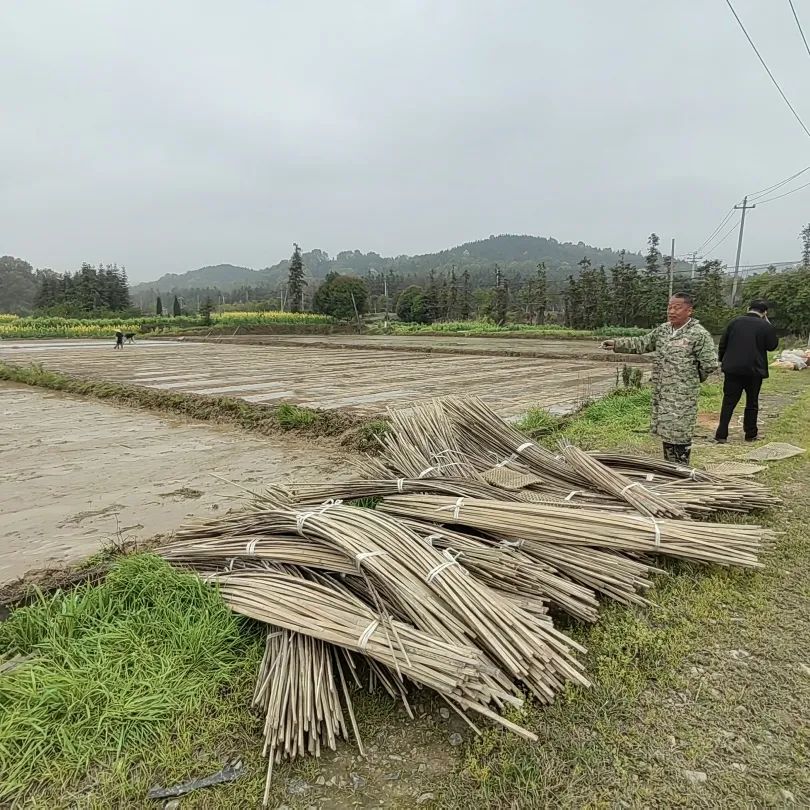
(89, 291)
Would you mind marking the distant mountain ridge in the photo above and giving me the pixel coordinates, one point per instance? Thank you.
(516, 254)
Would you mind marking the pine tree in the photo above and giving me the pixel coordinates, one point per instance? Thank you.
(465, 303)
(206, 308)
(604, 304)
(710, 296)
(430, 299)
(444, 301)
(536, 296)
(158, 307)
(572, 300)
(653, 258)
(589, 289)
(295, 280)
(624, 292)
(500, 303)
(452, 296)
(176, 310)
(804, 235)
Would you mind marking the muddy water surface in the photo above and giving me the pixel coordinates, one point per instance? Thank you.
(76, 474)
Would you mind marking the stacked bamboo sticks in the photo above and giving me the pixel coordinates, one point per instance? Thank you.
(481, 440)
(646, 501)
(718, 543)
(454, 581)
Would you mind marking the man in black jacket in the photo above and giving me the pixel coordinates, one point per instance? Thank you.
(743, 354)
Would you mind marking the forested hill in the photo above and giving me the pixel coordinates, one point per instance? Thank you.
(516, 256)
(223, 276)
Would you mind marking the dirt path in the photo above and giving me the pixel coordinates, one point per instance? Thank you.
(74, 474)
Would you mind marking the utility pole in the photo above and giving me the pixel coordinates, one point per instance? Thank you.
(695, 258)
(744, 208)
(671, 266)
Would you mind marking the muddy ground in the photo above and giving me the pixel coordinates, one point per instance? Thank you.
(77, 474)
(362, 380)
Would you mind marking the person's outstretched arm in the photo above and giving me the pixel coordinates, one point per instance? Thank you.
(634, 345)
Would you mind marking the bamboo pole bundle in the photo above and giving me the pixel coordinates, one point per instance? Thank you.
(203, 553)
(723, 495)
(316, 493)
(413, 578)
(478, 440)
(421, 442)
(722, 544)
(480, 428)
(698, 490)
(646, 501)
(331, 615)
(609, 573)
(427, 588)
(297, 691)
(503, 565)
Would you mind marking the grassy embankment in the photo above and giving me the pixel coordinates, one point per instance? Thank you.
(490, 329)
(713, 679)
(12, 328)
(353, 433)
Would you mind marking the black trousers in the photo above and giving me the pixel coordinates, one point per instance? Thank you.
(733, 387)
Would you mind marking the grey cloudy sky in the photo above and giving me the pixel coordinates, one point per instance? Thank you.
(169, 135)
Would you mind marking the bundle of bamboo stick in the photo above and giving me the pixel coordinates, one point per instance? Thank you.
(718, 543)
(454, 581)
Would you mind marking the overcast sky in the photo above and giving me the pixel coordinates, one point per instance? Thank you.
(169, 135)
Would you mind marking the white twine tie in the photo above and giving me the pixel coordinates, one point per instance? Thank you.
(365, 555)
(451, 558)
(571, 495)
(455, 507)
(362, 642)
(302, 517)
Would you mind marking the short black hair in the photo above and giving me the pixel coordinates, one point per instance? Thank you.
(758, 305)
(685, 297)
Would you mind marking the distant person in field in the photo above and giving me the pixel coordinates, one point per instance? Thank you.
(744, 351)
(683, 357)
(119, 340)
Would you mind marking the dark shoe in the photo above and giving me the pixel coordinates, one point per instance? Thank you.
(720, 441)
(751, 438)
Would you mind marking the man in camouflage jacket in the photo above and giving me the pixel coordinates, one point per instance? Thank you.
(684, 357)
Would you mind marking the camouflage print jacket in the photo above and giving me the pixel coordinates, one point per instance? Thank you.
(683, 359)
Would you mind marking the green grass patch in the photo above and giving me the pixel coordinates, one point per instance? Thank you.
(121, 673)
(483, 328)
(620, 418)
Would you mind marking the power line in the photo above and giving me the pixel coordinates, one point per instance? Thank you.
(779, 196)
(796, 17)
(725, 236)
(716, 230)
(781, 183)
(768, 70)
